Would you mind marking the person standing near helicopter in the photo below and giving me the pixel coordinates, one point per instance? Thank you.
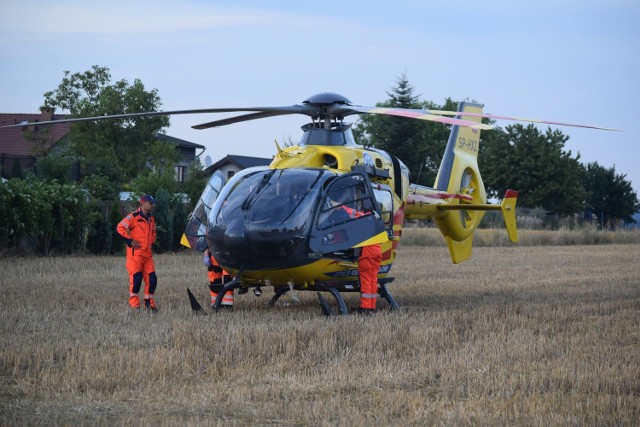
(368, 266)
(370, 256)
(138, 229)
(218, 277)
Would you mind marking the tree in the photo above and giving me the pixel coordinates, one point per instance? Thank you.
(56, 166)
(179, 225)
(164, 221)
(418, 144)
(611, 196)
(99, 236)
(115, 216)
(42, 216)
(536, 165)
(119, 148)
(195, 183)
(16, 169)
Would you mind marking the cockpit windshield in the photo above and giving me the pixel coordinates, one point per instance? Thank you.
(270, 218)
(274, 199)
(265, 216)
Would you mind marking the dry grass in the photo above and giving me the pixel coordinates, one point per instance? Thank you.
(430, 236)
(535, 335)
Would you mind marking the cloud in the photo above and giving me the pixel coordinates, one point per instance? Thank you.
(71, 17)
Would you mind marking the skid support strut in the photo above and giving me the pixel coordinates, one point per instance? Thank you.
(235, 283)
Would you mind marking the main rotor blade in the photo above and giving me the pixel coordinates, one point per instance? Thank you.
(416, 114)
(293, 109)
(518, 119)
(236, 119)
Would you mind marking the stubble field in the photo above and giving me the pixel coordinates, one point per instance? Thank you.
(533, 335)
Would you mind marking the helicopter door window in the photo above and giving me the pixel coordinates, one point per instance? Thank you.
(347, 217)
(346, 201)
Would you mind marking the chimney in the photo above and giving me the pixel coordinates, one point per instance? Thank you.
(46, 114)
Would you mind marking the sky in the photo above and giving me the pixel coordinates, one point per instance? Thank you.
(574, 61)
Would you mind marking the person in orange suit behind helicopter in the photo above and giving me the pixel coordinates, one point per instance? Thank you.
(217, 279)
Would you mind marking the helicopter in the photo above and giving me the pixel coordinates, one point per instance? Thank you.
(273, 226)
(276, 226)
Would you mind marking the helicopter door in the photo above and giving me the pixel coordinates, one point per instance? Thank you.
(348, 216)
(196, 230)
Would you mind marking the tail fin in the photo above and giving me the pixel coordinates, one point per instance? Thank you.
(508, 208)
(459, 200)
(459, 175)
(461, 152)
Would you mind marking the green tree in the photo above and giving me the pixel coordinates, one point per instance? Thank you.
(164, 221)
(118, 148)
(115, 216)
(160, 173)
(179, 224)
(16, 170)
(151, 182)
(55, 165)
(418, 144)
(44, 215)
(535, 164)
(195, 183)
(100, 187)
(611, 196)
(6, 213)
(99, 236)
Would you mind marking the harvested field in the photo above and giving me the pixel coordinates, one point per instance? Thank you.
(535, 335)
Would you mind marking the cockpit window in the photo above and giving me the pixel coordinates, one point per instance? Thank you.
(236, 193)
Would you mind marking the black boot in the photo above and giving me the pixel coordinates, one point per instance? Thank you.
(364, 311)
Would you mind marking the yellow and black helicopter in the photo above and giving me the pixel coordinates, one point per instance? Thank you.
(277, 226)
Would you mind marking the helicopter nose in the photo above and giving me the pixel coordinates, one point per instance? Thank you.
(235, 237)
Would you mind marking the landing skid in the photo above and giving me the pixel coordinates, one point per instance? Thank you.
(383, 291)
(327, 308)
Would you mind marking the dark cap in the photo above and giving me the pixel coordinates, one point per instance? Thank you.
(148, 198)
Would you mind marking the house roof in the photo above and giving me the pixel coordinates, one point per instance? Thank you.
(179, 142)
(13, 143)
(12, 140)
(241, 162)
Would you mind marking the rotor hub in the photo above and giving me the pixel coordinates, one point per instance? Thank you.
(326, 98)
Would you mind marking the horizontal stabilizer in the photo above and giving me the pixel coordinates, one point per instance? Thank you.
(507, 207)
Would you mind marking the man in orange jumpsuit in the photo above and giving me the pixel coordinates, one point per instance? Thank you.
(139, 231)
(368, 266)
(217, 279)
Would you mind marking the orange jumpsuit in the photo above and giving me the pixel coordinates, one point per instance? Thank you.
(217, 279)
(368, 266)
(137, 226)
